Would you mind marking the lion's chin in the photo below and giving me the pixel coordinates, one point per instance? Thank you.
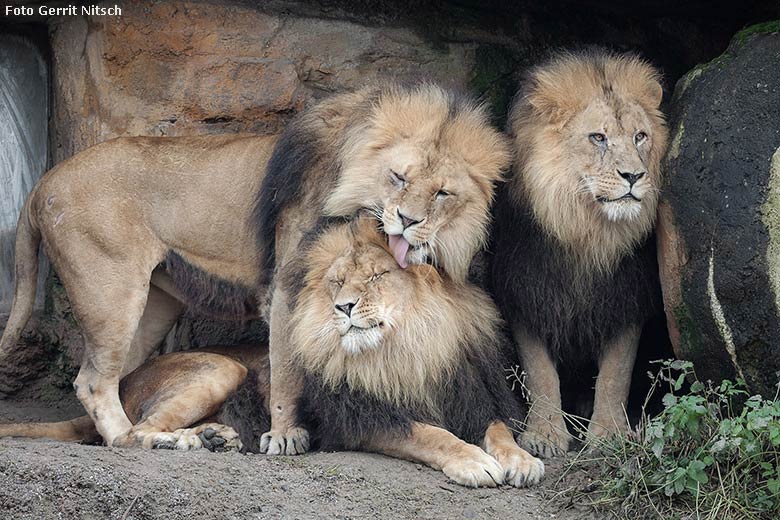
(356, 340)
(622, 210)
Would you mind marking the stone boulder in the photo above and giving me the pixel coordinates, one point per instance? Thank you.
(719, 222)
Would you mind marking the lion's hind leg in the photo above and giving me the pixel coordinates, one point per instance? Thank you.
(177, 391)
(464, 463)
(521, 469)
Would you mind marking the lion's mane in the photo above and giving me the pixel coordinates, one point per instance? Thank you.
(441, 363)
(327, 162)
(562, 271)
(545, 170)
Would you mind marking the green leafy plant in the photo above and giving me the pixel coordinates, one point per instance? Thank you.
(712, 453)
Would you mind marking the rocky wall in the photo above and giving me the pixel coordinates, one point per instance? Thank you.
(719, 229)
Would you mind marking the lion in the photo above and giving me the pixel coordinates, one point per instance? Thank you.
(404, 362)
(573, 267)
(201, 398)
(140, 228)
(398, 361)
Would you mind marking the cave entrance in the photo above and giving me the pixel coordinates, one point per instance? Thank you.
(24, 114)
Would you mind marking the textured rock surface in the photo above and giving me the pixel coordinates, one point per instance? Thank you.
(184, 68)
(719, 235)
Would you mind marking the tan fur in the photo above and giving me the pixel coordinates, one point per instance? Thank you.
(572, 182)
(415, 310)
(170, 399)
(372, 133)
(409, 329)
(108, 216)
(414, 134)
(560, 171)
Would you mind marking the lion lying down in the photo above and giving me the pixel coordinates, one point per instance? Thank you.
(401, 362)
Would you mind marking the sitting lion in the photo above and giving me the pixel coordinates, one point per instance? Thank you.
(138, 228)
(574, 271)
(401, 362)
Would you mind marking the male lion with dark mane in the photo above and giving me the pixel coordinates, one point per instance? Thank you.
(138, 228)
(574, 271)
(402, 362)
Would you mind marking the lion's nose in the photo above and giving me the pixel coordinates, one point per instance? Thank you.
(407, 221)
(346, 308)
(631, 177)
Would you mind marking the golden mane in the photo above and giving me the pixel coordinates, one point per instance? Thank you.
(548, 168)
(424, 343)
(447, 139)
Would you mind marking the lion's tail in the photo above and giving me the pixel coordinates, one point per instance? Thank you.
(28, 238)
(80, 429)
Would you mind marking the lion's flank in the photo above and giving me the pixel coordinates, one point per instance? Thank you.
(207, 294)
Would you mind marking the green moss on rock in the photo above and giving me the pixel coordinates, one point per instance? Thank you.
(690, 335)
(759, 28)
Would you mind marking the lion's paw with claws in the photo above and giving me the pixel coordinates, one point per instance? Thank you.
(546, 439)
(520, 468)
(293, 441)
(472, 467)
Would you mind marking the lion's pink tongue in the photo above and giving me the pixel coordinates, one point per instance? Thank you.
(400, 247)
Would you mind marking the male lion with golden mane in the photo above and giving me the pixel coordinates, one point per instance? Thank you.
(574, 271)
(402, 362)
(138, 228)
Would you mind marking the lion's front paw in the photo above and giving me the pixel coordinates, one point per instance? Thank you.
(472, 467)
(521, 469)
(213, 437)
(127, 440)
(293, 441)
(546, 439)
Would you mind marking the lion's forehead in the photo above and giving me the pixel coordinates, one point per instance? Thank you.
(617, 117)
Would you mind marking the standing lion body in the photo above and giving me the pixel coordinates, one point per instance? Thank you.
(573, 270)
(138, 228)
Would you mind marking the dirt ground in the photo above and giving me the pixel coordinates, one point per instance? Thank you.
(44, 479)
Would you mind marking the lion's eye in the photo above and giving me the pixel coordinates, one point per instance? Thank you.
(337, 282)
(639, 138)
(397, 178)
(441, 194)
(597, 138)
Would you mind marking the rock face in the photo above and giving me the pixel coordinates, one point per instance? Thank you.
(719, 229)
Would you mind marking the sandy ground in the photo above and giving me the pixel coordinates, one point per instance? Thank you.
(44, 479)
